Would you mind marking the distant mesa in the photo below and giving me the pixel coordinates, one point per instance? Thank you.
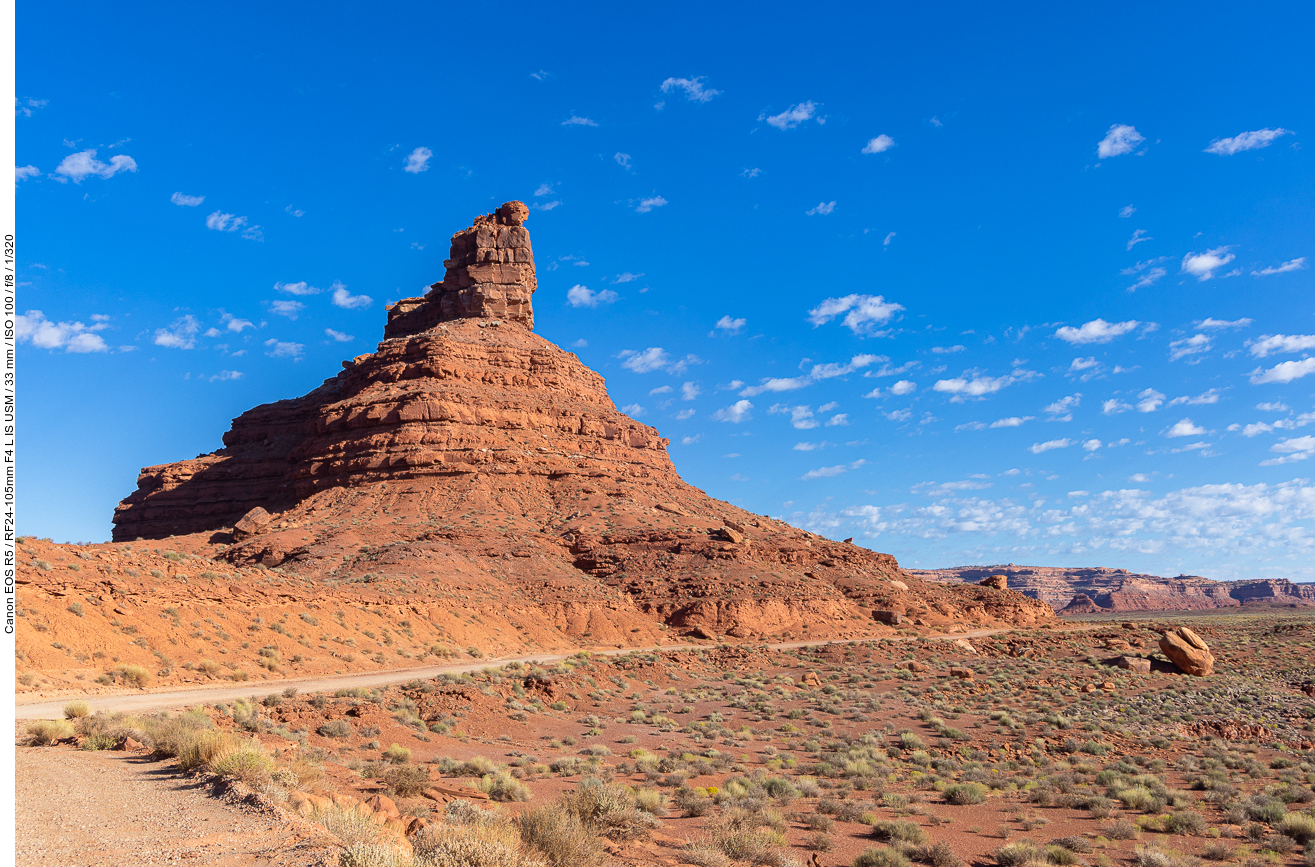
(1100, 590)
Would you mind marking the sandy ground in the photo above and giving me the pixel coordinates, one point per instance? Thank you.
(86, 809)
(144, 702)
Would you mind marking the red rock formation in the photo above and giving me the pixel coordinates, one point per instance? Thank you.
(467, 449)
(1112, 590)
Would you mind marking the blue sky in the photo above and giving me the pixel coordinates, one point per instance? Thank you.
(1031, 286)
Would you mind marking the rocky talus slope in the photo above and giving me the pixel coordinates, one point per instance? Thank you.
(467, 485)
(1096, 590)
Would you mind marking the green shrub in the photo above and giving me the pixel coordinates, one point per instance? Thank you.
(938, 855)
(898, 829)
(98, 742)
(502, 786)
(44, 732)
(367, 855)
(336, 728)
(76, 710)
(407, 781)
(961, 794)
(1121, 829)
(247, 763)
(1019, 854)
(349, 825)
(398, 755)
(1189, 823)
(134, 675)
(1298, 826)
(560, 837)
(881, 858)
(494, 843)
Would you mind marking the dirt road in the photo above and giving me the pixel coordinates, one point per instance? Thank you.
(150, 701)
(122, 810)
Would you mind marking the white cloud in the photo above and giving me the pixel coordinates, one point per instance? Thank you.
(1203, 399)
(1092, 444)
(876, 145)
(817, 373)
(284, 307)
(545, 206)
(544, 190)
(1202, 266)
(1127, 211)
(838, 420)
(622, 160)
(693, 87)
(1148, 279)
(1062, 409)
(827, 472)
(947, 350)
(417, 161)
(1285, 372)
(297, 212)
(1269, 344)
(576, 120)
(1121, 139)
(1245, 141)
(300, 288)
(632, 409)
(626, 277)
(22, 173)
(1189, 346)
(1149, 400)
(1138, 237)
(1049, 445)
(80, 166)
(346, 300)
(735, 413)
(689, 391)
(689, 441)
(898, 415)
(964, 387)
(654, 358)
(792, 116)
(822, 208)
(862, 312)
(339, 336)
(801, 417)
(751, 173)
(280, 349)
(226, 376)
(1273, 406)
(890, 237)
(186, 201)
(25, 106)
(646, 205)
(729, 325)
(902, 387)
(1096, 331)
(582, 296)
(685, 413)
(232, 323)
(180, 335)
(1217, 324)
(221, 222)
(1184, 428)
(1012, 421)
(661, 389)
(76, 337)
(1114, 406)
(1298, 264)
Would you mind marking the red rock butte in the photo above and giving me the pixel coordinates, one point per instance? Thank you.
(469, 455)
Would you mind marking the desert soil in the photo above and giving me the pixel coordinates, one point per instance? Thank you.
(117, 809)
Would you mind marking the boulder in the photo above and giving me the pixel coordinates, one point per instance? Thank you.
(128, 745)
(1133, 663)
(995, 582)
(732, 535)
(890, 618)
(253, 523)
(964, 644)
(898, 584)
(383, 804)
(911, 665)
(961, 673)
(1188, 651)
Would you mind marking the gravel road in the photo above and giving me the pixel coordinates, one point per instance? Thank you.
(143, 702)
(122, 809)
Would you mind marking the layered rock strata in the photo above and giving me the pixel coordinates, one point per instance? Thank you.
(468, 457)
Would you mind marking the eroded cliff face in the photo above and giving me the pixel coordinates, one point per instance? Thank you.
(1090, 591)
(469, 458)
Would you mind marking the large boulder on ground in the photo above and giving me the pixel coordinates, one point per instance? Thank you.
(1133, 663)
(1188, 651)
(890, 618)
(253, 523)
(996, 582)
